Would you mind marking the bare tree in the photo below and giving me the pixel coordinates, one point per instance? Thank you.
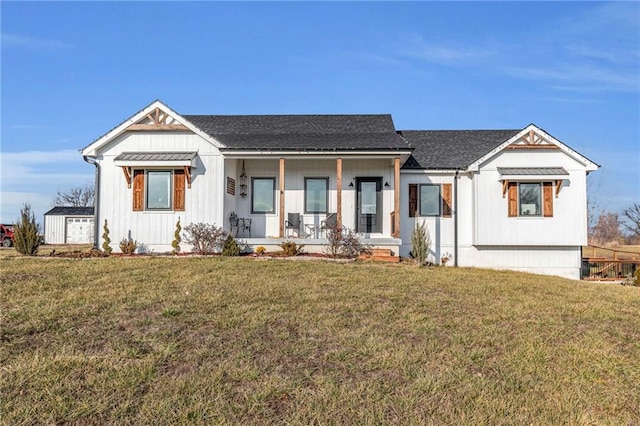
(80, 196)
(594, 210)
(632, 220)
(607, 229)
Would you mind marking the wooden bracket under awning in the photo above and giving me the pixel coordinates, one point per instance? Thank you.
(558, 186)
(127, 175)
(505, 185)
(187, 173)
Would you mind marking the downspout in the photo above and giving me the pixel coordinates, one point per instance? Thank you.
(96, 200)
(455, 219)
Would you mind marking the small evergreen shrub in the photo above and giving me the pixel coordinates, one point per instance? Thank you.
(177, 239)
(128, 245)
(291, 249)
(420, 243)
(106, 240)
(26, 232)
(230, 247)
(205, 238)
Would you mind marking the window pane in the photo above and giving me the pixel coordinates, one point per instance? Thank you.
(262, 195)
(429, 200)
(316, 195)
(530, 199)
(158, 190)
(368, 198)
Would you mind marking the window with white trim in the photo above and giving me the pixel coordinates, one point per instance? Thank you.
(263, 198)
(316, 195)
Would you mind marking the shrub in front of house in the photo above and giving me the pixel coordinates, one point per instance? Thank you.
(128, 245)
(106, 240)
(344, 243)
(291, 249)
(177, 239)
(26, 232)
(420, 243)
(205, 238)
(230, 247)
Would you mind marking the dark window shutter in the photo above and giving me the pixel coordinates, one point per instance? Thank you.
(512, 194)
(413, 199)
(178, 190)
(138, 190)
(446, 200)
(547, 197)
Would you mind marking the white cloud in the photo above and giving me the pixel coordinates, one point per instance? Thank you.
(447, 53)
(14, 40)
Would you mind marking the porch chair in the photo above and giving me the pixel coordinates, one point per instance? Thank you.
(292, 224)
(330, 222)
(233, 223)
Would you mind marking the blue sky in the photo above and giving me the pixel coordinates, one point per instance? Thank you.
(72, 71)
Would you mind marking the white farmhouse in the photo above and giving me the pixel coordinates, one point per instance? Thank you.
(507, 199)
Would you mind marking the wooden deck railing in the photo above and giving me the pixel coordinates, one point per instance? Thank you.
(608, 264)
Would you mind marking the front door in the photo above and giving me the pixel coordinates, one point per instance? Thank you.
(369, 205)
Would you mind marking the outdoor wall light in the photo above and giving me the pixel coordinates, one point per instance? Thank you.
(243, 182)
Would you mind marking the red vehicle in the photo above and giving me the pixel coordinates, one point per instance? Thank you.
(6, 235)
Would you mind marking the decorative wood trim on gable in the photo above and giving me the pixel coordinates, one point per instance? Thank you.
(163, 127)
(127, 175)
(157, 121)
(532, 140)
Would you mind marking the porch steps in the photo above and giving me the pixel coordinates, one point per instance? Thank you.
(381, 255)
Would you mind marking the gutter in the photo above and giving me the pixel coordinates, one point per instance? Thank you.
(455, 219)
(96, 200)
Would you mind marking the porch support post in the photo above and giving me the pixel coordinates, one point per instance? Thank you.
(396, 196)
(339, 190)
(282, 198)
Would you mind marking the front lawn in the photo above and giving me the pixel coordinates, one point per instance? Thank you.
(235, 340)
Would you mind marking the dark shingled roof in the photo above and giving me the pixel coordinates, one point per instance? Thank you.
(70, 211)
(302, 132)
(451, 149)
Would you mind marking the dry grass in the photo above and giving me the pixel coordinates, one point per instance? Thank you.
(228, 340)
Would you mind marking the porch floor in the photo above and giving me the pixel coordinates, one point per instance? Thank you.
(315, 245)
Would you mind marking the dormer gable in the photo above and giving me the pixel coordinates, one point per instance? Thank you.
(156, 116)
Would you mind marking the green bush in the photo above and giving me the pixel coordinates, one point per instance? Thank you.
(26, 232)
(177, 239)
(420, 243)
(105, 236)
(230, 247)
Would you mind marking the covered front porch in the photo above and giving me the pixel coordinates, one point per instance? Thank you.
(271, 198)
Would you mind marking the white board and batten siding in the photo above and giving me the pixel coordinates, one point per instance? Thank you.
(155, 229)
(488, 237)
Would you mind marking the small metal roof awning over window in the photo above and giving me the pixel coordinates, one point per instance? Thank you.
(532, 174)
(156, 158)
(130, 160)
